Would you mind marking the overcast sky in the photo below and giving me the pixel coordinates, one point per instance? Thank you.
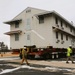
(10, 8)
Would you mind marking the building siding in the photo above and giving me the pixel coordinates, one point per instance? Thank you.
(41, 35)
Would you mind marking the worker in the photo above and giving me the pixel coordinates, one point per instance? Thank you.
(69, 54)
(20, 55)
(24, 56)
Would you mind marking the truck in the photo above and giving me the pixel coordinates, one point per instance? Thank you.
(44, 52)
(47, 53)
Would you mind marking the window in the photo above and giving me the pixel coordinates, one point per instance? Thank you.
(67, 37)
(28, 37)
(28, 24)
(56, 20)
(28, 11)
(41, 19)
(71, 29)
(16, 24)
(61, 36)
(61, 24)
(66, 25)
(56, 35)
(16, 37)
(28, 21)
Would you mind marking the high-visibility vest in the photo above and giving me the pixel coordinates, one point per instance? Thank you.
(69, 51)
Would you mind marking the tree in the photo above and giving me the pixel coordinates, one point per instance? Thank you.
(3, 47)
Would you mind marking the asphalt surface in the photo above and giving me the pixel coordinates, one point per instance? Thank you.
(40, 69)
(35, 72)
(32, 69)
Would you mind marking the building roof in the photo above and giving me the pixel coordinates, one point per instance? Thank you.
(13, 32)
(41, 14)
(61, 30)
(13, 21)
(55, 13)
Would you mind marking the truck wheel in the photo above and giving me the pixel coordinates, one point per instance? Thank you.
(31, 57)
(48, 56)
(53, 56)
(57, 56)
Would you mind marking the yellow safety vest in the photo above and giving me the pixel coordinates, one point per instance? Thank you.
(69, 51)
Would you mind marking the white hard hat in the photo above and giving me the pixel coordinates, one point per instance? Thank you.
(70, 45)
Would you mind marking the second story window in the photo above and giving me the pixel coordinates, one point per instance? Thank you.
(16, 24)
(28, 24)
(28, 21)
(16, 37)
(66, 25)
(61, 24)
(56, 20)
(56, 35)
(67, 37)
(41, 19)
(71, 29)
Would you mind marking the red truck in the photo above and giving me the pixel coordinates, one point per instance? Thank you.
(46, 53)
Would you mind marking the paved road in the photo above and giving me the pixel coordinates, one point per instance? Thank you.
(7, 68)
(14, 68)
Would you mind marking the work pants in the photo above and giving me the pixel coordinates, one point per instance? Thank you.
(69, 58)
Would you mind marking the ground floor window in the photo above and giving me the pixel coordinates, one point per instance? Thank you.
(16, 37)
(61, 36)
(28, 37)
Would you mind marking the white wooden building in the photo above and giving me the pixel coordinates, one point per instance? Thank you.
(41, 28)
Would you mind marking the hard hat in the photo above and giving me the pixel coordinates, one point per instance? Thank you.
(70, 45)
(24, 47)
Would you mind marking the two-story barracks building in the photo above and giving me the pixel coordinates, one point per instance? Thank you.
(41, 28)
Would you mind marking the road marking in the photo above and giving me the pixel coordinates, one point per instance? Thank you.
(50, 69)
